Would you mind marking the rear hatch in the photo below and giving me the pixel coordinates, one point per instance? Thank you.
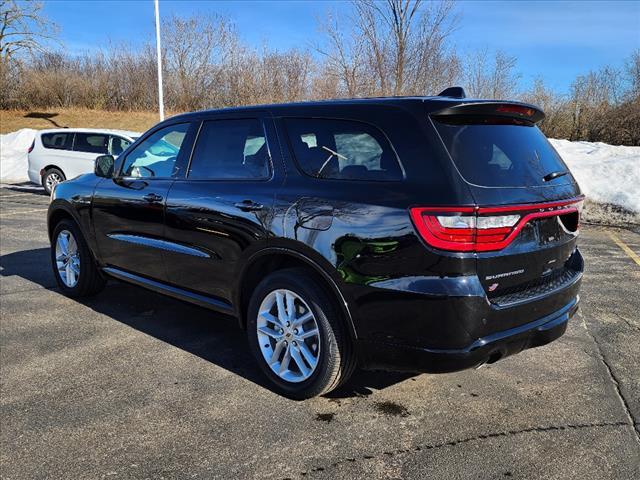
(525, 225)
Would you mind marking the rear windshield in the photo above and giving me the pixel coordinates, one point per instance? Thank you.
(501, 155)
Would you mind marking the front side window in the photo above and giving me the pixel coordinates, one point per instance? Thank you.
(156, 156)
(230, 149)
(58, 141)
(342, 149)
(119, 145)
(91, 143)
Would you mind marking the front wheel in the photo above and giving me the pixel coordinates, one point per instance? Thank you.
(298, 336)
(73, 264)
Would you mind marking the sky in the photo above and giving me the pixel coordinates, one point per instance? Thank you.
(553, 40)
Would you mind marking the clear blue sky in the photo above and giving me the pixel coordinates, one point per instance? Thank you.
(554, 40)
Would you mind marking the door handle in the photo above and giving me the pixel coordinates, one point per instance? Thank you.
(152, 197)
(249, 206)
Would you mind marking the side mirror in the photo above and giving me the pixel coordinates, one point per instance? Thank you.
(104, 166)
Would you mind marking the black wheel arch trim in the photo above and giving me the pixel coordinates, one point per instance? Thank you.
(58, 205)
(55, 207)
(278, 250)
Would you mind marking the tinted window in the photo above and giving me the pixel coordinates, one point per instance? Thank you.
(119, 145)
(495, 155)
(156, 156)
(60, 141)
(91, 143)
(342, 149)
(230, 149)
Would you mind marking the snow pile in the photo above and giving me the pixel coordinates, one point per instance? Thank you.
(606, 173)
(13, 155)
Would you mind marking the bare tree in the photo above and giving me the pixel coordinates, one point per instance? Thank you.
(23, 29)
(344, 54)
(396, 47)
(632, 71)
(554, 106)
(194, 48)
(490, 76)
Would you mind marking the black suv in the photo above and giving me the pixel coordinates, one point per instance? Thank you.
(428, 234)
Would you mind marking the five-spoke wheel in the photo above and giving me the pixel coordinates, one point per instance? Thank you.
(67, 258)
(288, 335)
(297, 334)
(73, 263)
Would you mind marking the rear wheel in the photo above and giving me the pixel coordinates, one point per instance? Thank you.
(73, 264)
(298, 336)
(51, 178)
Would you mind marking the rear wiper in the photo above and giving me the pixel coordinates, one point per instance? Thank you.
(550, 176)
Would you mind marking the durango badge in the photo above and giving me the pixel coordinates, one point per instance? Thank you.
(505, 274)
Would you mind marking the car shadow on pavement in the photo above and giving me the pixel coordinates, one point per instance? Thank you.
(25, 187)
(211, 336)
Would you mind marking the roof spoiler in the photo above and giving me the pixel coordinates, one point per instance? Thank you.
(453, 92)
(515, 110)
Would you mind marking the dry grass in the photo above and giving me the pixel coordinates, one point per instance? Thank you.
(12, 120)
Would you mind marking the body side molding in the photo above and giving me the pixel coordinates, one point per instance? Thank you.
(160, 244)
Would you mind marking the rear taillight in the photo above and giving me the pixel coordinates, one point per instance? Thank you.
(482, 229)
(33, 144)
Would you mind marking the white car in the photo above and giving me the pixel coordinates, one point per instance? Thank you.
(64, 153)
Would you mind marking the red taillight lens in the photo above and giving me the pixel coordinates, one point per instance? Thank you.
(481, 229)
(33, 144)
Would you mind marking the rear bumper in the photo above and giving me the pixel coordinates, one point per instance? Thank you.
(486, 349)
(34, 176)
(433, 324)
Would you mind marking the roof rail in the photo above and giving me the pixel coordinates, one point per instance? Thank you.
(453, 92)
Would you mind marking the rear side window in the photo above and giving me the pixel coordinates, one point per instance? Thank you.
(342, 149)
(58, 141)
(501, 155)
(230, 149)
(91, 143)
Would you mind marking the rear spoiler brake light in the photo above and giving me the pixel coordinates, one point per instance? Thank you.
(483, 229)
(511, 110)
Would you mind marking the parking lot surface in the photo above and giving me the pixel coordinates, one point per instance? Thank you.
(129, 384)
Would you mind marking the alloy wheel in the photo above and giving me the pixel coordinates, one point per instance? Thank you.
(52, 180)
(67, 258)
(288, 335)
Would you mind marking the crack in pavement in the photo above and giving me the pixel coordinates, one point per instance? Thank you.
(629, 324)
(613, 378)
(453, 443)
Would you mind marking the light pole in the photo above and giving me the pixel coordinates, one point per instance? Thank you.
(159, 55)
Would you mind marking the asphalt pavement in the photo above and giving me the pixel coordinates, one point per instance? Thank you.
(130, 384)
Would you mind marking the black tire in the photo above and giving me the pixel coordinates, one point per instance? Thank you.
(50, 174)
(336, 358)
(89, 279)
